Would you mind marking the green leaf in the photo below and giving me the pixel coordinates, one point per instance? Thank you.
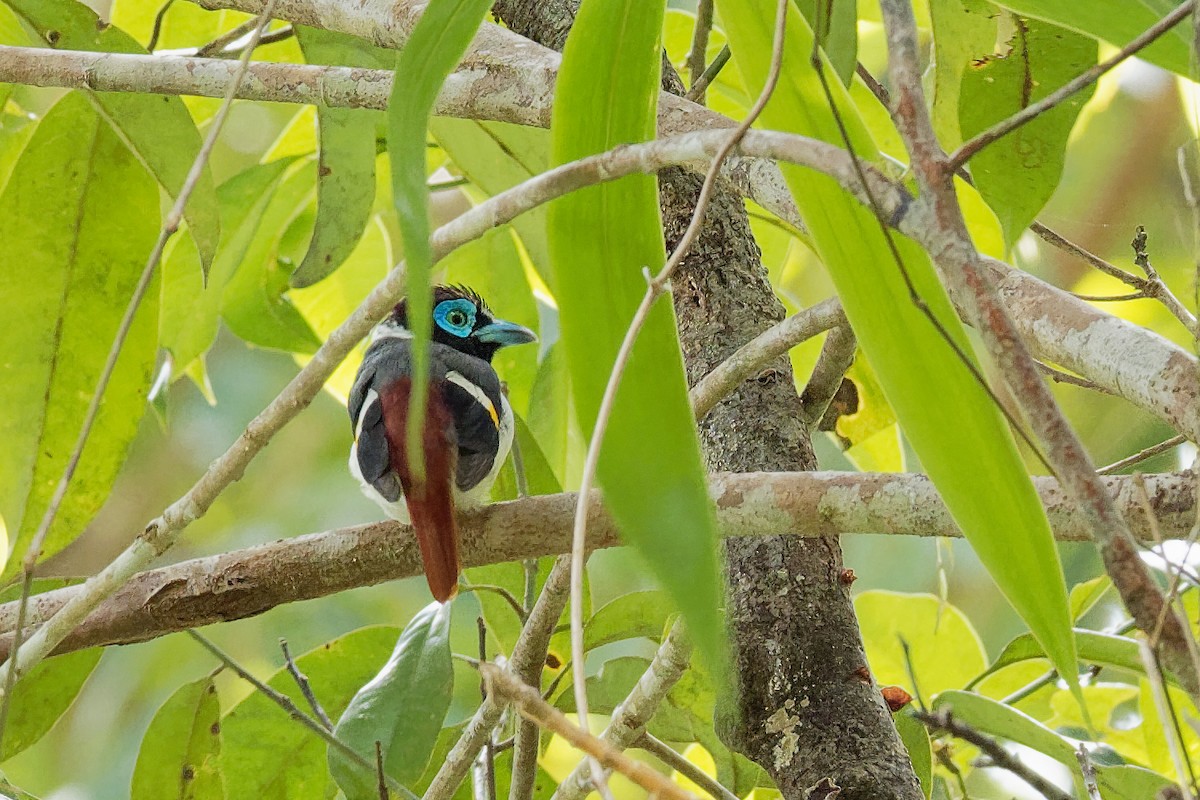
(836, 23)
(1017, 174)
(1084, 596)
(43, 695)
(558, 438)
(497, 156)
(601, 240)
(254, 304)
(944, 648)
(607, 688)
(986, 487)
(1005, 722)
(82, 215)
(266, 754)
(346, 162)
(963, 31)
(437, 43)
(156, 128)
(1117, 22)
(633, 615)
(179, 753)
(402, 707)
(1093, 647)
(916, 741)
(191, 307)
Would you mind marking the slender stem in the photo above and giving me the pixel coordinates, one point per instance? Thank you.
(283, 701)
(531, 705)
(1166, 717)
(169, 226)
(1137, 458)
(1082, 81)
(945, 721)
(699, 52)
(676, 761)
(305, 688)
(710, 74)
(1088, 769)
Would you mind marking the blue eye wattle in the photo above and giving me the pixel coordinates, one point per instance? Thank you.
(456, 317)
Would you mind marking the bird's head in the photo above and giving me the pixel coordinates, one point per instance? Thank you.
(462, 320)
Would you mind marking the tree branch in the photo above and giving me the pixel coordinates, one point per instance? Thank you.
(963, 267)
(242, 583)
(494, 84)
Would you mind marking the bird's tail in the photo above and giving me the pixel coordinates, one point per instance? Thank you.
(430, 501)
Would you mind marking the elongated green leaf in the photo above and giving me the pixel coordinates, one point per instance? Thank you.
(78, 216)
(44, 695)
(601, 239)
(192, 309)
(437, 43)
(156, 128)
(402, 707)
(1104, 649)
(985, 486)
(1018, 173)
(1117, 22)
(997, 719)
(178, 758)
(346, 163)
(264, 753)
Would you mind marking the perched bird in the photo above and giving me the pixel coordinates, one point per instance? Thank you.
(468, 428)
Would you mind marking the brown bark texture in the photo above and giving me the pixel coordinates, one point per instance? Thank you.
(801, 711)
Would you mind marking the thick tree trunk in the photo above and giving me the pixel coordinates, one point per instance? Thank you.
(806, 708)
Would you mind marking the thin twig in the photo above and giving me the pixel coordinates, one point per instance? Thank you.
(1059, 376)
(945, 721)
(676, 761)
(656, 287)
(156, 31)
(1056, 239)
(485, 764)
(228, 37)
(1088, 770)
(710, 74)
(528, 653)
(630, 717)
(305, 689)
(1156, 288)
(501, 592)
(531, 705)
(751, 357)
(527, 739)
(380, 775)
(283, 701)
(169, 226)
(1137, 458)
(1082, 81)
(1162, 704)
(699, 52)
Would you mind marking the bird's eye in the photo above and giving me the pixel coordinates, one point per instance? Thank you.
(456, 318)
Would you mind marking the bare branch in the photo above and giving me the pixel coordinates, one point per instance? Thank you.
(629, 719)
(837, 354)
(531, 705)
(945, 721)
(246, 582)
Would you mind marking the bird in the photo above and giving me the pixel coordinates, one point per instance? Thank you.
(468, 428)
